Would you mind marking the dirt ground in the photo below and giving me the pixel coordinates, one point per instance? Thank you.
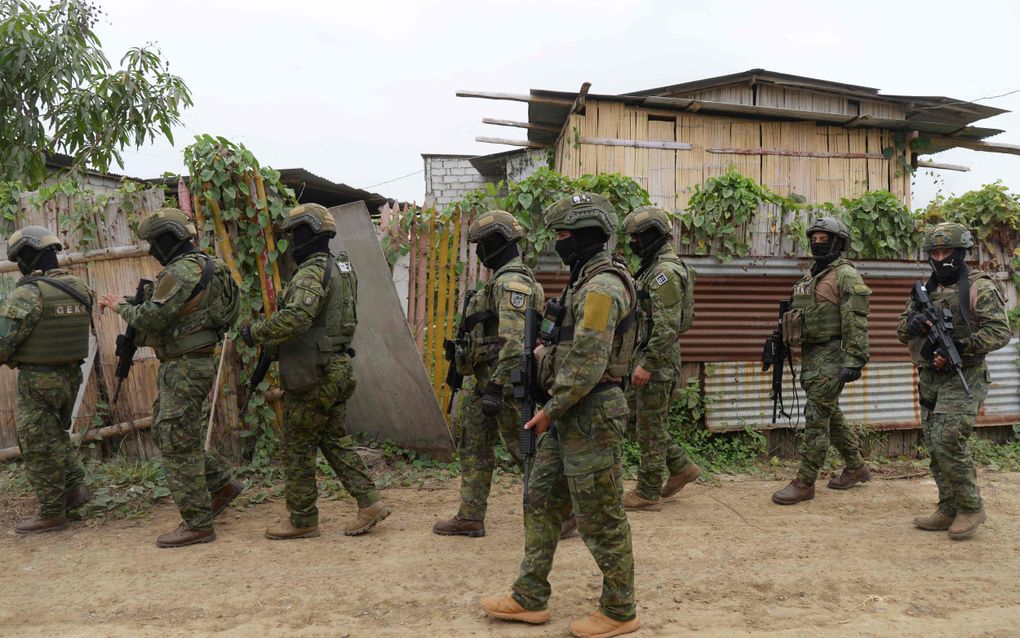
(719, 560)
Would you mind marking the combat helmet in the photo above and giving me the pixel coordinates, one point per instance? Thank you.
(946, 235)
(166, 220)
(582, 210)
(829, 225)
(643, 218)
(315, 216)
(36, 237)
(495, 222)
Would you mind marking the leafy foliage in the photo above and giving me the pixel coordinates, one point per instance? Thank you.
(881, 227)
(719, 211)
(60, 94)
(991, 212)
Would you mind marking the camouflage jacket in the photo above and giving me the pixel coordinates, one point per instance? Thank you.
(662, 289)
(302, 301)
(168, 293)
(597, 308)
(990, 331)
(507, 295)
(841, 285)
(21, 312)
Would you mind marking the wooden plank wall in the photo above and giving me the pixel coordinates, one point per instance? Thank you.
(671, 175)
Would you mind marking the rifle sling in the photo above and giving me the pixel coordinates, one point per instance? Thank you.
(80, 298)
(476, 318)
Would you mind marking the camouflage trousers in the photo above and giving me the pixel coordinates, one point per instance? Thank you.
(649, 420)
(578, 468)
(478, 439)
(179, 424)
(43, 415)
(823, 420)
(945, 430)
(316, 420)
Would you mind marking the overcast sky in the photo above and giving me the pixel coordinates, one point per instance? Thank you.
(356, 91)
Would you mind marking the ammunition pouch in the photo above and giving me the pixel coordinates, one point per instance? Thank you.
(793, 327)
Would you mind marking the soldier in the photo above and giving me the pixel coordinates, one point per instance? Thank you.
(186, 311)
(314, 328)
(44, 332)
(591, 336)
(495, 339)
(665, 290)
(828, 318)
(980, 326)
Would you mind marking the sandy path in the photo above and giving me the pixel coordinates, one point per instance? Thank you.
(719, 560)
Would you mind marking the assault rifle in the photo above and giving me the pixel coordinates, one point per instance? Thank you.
(524, 379)
(257, 375)
(454, 347)
(940, 333)
(772, 356)
(126, 347)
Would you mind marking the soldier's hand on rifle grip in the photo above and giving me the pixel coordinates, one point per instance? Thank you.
(940, 361)
(849, 375)
(492, 399)
(917, 324)
(539, 423)
(640, 376)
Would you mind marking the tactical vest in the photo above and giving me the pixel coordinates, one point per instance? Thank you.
(62, 334)
(204, 317)
(645, 308)
(625, 333)
(949, 297)
(484, 343)
(820, 320)
(302, 359)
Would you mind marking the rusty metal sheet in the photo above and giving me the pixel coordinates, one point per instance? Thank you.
(394, 400)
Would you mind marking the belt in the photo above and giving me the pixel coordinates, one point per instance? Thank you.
(194, 354)
(606, 385)
(50, 367)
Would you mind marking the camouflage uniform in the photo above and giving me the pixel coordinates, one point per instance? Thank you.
(46, 392)
(947, 414)
(315, 415)
(184, 380)
(835, 307)
(495, 348)
(662, 288)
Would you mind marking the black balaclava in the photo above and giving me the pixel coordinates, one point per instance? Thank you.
(647, 243)
(305, 242)
(495, 251)
(947, 271)
(826, 252)
(580, 247)
(29, 260)
(167, 246)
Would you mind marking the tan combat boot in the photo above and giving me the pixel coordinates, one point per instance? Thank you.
(77, 497)
(937, 522)
(849, 478)
(506, 608)
(966, 523)
(367, 518)
(285, 530)
(634, 501)
(458, 526)
(569, 527)
(184, 536)
(795, 492)
(599, 625)
(676, 482)
(39, 525)
(222, 497)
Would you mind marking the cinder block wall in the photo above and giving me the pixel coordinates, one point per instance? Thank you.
(449, 177)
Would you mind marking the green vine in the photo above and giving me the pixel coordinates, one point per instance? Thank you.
(719, 212)
(881, 227)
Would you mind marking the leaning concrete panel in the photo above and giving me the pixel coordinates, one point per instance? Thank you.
(394, 399)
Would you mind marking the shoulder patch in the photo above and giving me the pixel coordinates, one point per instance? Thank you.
(517, 286)
(13, 311)
(167, 286)
(517, 299)
(596, 311)
(661, 279)
(344, 266)
(861, 289)
(307, 298)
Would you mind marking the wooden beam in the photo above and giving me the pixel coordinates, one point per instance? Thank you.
(944, 167)
(500, 140)
(10, 453)
(790, 153)
(612, 141)
(518, 97)
(978, 145)
(527, 125)
(582, 97)
(100, 254)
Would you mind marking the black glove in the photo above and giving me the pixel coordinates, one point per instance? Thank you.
(246, 335)
(492, 399)
(917, 324)
(849, 375)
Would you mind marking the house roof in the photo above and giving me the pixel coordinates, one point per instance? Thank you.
(941, 118)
